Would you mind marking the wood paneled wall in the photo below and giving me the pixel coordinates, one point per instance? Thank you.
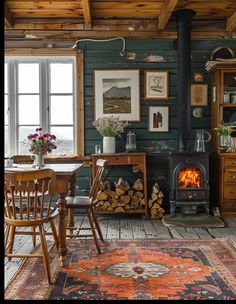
(146, 54)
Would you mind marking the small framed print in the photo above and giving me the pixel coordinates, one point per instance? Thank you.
(199, 94)
(156, 84)
(158, 119)
(198, 77)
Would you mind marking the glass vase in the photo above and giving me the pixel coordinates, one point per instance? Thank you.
(38, 161)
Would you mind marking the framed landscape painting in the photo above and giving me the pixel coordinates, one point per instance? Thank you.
(156, 84)
(116, 93)
(158, 119)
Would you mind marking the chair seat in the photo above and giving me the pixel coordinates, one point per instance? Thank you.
(79, 202)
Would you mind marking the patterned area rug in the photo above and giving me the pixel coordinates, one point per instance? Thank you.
(133, 269)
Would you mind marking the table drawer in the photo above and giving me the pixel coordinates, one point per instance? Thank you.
(230, 205)
(230, 177)
(117, 160)
(230, 191)
(230, 162)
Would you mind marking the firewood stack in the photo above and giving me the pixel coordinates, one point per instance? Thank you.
(155, 203)
(122, 198)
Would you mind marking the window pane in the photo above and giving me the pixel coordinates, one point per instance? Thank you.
(61, 111)
(24, 131)
(6, 109)
(61, 77)
(65, 135)
(6, 145)
(28, 78)
(6, 78)
(28, 109)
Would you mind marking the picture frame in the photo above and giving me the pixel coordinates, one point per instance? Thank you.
(199, 94)
(117, 93)
(158, 119)
(198, 77)
(156, 84)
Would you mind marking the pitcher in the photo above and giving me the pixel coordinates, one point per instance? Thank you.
(200, 140)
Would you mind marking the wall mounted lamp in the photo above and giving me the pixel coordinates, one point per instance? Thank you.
(76, 44)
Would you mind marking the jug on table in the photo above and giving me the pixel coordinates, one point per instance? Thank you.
(200, 140)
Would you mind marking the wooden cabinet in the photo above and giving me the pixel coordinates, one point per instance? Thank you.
(125, 159)
(223, 105)
(227, 180)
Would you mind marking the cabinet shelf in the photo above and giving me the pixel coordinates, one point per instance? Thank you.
(229, 105)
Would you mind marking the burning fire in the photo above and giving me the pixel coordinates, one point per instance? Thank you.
(189, 178)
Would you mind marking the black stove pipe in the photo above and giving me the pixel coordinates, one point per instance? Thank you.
(183, 24)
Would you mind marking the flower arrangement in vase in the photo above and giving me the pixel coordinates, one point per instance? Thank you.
(224, 132)
(109, 127)
(40, 144)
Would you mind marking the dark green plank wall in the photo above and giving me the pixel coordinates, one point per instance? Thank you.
(106, 55)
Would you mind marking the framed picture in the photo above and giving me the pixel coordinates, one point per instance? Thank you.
(198, 77)
(158, 119)
(199, 94)
(156, 84)
(116, 93)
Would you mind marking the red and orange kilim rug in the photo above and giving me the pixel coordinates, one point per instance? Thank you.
(134, 269)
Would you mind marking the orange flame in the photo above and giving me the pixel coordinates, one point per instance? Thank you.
(189, 178)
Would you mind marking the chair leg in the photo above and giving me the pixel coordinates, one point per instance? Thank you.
(54, 233)
(93, 231)
(34, 235)
(12, 238)
(45, 253)
(6, 235)
(97, 224)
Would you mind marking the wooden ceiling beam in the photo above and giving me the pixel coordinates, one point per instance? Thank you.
(166, 11)
(96, 34)
(87, 11)
(231, 23)
(8, 18)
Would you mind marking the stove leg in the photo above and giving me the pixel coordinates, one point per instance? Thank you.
(207, 209)
(172, 209)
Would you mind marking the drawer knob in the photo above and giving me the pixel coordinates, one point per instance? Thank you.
(233, 176)
(231, 191)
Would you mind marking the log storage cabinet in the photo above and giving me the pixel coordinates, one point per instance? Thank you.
(123, 197)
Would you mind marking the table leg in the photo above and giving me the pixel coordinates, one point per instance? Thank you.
(71, 223)
(62, 228)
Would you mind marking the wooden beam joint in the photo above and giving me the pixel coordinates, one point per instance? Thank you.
(87, 11)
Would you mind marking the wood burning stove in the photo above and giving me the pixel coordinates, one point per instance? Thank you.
(188, 176)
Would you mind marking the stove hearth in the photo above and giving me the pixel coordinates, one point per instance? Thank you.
(188, 177)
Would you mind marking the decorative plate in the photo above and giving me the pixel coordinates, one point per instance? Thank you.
(198, 113)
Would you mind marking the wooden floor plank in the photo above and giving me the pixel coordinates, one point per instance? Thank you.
(138, 229)
(163, 232)
(113, 229)
(125, 229)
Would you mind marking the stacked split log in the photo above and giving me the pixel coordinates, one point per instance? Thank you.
(155, 203)
(122, 198)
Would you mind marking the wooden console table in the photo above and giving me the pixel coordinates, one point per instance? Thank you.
(124, 159)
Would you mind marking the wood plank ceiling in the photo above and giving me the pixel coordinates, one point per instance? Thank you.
(60, 21)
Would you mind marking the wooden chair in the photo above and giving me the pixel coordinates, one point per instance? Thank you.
(88, 203)
(19, 190)
(26, 159)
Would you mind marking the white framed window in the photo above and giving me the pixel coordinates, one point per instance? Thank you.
(40, 91)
